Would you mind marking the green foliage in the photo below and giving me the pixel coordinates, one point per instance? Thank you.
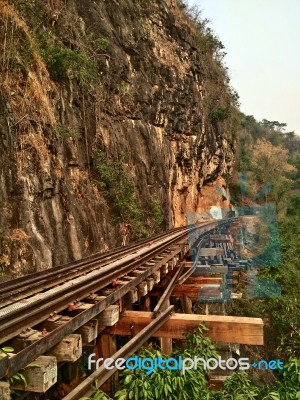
(18, 378)
(115, 180)
(63, 62)
(65, 132)
(6, 350)
(123, 87)
(288, 387)
(220, 114)
(98, 395)
(198, 344)
(239, 387)
(161, 383)
(102, 43)
(170, 384)
(156, 214)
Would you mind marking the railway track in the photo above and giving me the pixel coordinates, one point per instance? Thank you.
(20, 288)
(31, 310)
(41, 294)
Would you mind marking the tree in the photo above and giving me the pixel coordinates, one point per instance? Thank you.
(270, 165)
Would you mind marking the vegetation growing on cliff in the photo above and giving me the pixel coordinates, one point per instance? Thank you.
(114, 178)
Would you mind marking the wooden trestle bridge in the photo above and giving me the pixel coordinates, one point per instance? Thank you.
(53, 318)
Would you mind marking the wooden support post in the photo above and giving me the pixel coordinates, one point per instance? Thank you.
(164, 269)
(187, 305)
(146, 303)
(89, 331)
(227, 329)
(171, 265)
(129, 298)
(107, 347)
(166, 343)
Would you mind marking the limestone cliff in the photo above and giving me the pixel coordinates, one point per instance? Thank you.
(112, 112)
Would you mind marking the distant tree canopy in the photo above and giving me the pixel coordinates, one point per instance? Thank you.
(271, 156)
(273, 131)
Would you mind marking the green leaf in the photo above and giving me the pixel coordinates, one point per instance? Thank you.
(7, 349)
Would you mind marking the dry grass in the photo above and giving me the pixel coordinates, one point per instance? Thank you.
(17, 235)
(29, 144)
(30, 95)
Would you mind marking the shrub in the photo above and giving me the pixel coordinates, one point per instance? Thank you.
(102, 43)
(63, 62)
(64, 132)
(220, 114)
(112, 177)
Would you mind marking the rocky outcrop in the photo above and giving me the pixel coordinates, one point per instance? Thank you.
(134, 81)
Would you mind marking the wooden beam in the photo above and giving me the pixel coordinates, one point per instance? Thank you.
(195, 279)
(166, 344)
(193, 283)
(194, 291)
(227, 329)
(211, 252)
(107, 347)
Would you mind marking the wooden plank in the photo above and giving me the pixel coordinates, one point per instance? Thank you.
(195, 279)
(190, 283)
(213, 269)
(69, 349)
(107, 347)
(186, 304)
(194, 291)
(166, 344)
(110, 315)
(211, 252)
(41, 374)
(227, 329)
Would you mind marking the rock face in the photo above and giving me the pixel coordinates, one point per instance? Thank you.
(132, 80)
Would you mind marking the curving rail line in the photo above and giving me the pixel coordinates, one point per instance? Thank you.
(28, 301)
(20, 288)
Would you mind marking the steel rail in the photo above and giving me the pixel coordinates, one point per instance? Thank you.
(9, 366)
(190, 271)
(168, 290)
(23, 314)
(15, 318)
(33, 283)
(178, 278)
(102, 374)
